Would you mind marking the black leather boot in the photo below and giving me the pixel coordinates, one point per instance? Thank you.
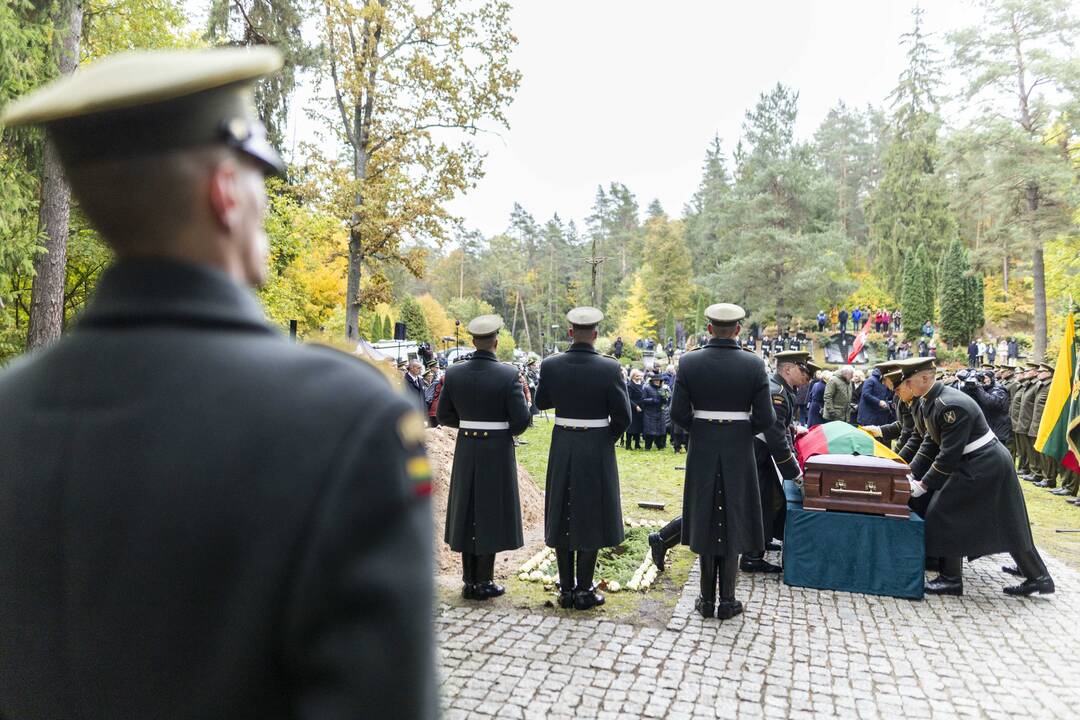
(1037, 577)
(585, 595)
(468, 576)
(485, 586)
(728, 570)
(756, 562)
(706, 601)
(661, 542)
(565, 560)
(951, 579)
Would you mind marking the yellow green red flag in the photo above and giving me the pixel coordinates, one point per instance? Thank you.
(1062, 415)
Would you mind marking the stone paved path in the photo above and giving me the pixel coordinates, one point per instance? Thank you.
(794, 653)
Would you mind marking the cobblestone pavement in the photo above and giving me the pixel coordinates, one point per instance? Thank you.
(794, 653)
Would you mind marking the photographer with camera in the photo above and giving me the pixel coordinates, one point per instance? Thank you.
(991, 397)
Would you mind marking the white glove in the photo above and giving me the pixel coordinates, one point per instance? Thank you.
(873, 430)
(917, 488)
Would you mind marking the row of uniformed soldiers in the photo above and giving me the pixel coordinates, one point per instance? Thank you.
(1029, 388)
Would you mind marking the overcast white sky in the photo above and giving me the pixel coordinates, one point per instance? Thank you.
(633, 90)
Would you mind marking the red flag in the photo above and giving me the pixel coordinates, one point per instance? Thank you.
(860, 340)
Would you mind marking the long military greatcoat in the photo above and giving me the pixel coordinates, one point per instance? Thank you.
(721, 496)
(200, 519)
(978, 507)
(582, 504)
(483, 512)
(900, 430)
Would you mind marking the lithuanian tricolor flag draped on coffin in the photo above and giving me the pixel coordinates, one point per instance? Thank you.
(1059, 430)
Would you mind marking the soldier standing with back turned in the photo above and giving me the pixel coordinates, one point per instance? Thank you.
(722, 395)
(484, 400)
(582, 505)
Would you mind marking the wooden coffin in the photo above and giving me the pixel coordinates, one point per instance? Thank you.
(856, 483)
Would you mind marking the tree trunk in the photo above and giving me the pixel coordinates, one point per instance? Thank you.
(352, 285)
(525, 317)
(1038, 277)
(1005, 276)
(47, 292)
(461, 276)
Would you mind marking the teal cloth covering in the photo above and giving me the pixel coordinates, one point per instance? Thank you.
(855, 553)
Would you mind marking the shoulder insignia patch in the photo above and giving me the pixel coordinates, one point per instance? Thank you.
(410, 428)
(949, 417)
(778, 399)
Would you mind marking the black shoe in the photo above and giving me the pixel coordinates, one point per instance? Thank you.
(760, 565)
(945, 585)
(487, 589)
(774, 546)
(1043, 585)
(705, 607)
(1046, 484)
(727, 609)
(566, 599)
(656, 544)
(587, 599)
(468, 591)
(1012, 570)
(1060, 491)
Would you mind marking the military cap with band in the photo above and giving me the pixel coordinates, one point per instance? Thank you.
(798, 357)
(913, 366)
(724, 313)
(1046, 367)
(143, 103)
(895, 377)
(584, 316)
(484, 326)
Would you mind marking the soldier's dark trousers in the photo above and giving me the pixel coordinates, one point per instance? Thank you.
(671, 533)
(477, 568)
(1030, 564)
(586, 568)
(678, 440)
(719, 570)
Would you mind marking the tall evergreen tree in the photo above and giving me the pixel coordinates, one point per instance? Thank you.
(375, 333)
(667, 269)
(387, 328)
(416, 325)
(955, 295)
(704, 213)
(917, 292)
(910, 206)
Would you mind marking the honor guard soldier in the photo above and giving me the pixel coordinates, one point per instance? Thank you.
(901, 428)
(484, 400)
(977, 508)
(722, 395)
(774, 451)
(582, 505)
(199, 518)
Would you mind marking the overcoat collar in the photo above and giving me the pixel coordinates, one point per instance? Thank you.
(782, 382)
(722, 343)
(167, 292)
(934, 391)
(484, 355)
(582, 347)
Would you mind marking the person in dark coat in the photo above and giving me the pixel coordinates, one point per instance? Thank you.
(875, 401)
(679, 435)
(977, 508)
(815, 402)
(654, 398)
(802, 404)
(973, 354)
(199, 518)
(484, 399)
(634, 390)
(774, 451)
(901, 432)
(841, 319)
(722, 395)
(617, 347)
(993, 399)
(414, 380)
(592, 410)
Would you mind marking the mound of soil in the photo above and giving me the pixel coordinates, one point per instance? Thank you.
(440, 448)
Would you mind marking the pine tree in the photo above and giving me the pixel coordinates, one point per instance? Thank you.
(917, 292)
(416, 326)
(973, 297)
(667, 269)
(955, 295)
(387, 328)
(376, 329)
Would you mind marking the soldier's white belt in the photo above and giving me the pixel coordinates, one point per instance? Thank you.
(721, 415)
(582, 422)
(483, 425)
(974, 445)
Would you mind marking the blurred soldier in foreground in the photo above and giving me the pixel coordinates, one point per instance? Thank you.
(977, 508)
(199, 518)
(582, 505)
(717, 388)
(483, 399)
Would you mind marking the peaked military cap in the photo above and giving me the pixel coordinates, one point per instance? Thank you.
(894, 376)
(1046, 367)
(724, 313)
(584, 316)
(484, 326)
(888, 366)
(792, 356)
(141, 103)
(914, 366)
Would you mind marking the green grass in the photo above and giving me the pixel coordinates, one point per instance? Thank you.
(1049, 513)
